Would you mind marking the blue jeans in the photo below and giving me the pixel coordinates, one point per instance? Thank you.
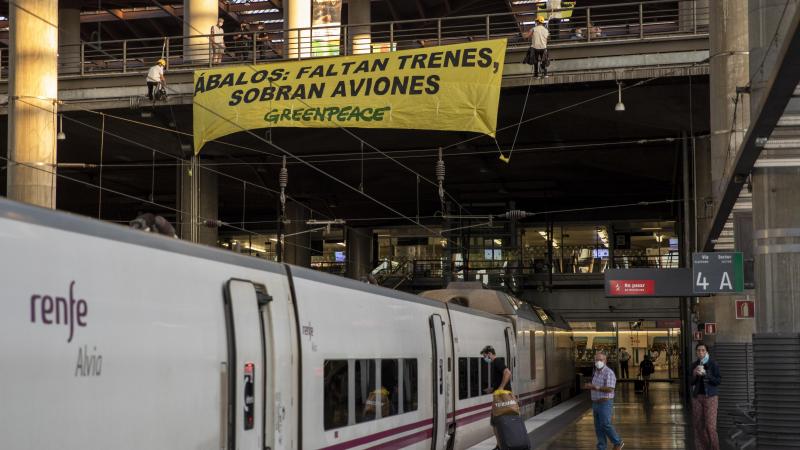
(602, 424)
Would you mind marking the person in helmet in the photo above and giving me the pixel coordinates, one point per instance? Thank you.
(539, 37)
(155, 76)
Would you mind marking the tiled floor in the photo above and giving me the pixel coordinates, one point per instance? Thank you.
(655, 422)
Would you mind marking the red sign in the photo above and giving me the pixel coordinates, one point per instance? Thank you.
(745, 309)
(697, 336)
(711, 328)
(668, 323)
(632, 287)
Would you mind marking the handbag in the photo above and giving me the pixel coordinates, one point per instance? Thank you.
(528, 57)
(504, 404)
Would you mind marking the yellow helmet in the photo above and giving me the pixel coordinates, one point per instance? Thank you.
(162, 62)
(539, 19)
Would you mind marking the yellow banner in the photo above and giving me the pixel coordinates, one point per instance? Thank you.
(452, 88)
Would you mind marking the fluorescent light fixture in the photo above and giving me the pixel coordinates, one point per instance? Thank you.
(776, 162)
(342, 244)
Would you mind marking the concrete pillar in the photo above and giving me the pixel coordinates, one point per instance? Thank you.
(359, 252)
(298, 25)
(776, 228)
(358, 13)
(199, 16)
(198, 204)
(729, 69)
(69, 36)
(693, 15)
(33, 89)
(296, 247)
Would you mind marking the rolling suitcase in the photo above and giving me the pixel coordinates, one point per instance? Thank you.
(638, 386)
(512, 433)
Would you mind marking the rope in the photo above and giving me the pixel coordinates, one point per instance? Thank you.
(100, 191)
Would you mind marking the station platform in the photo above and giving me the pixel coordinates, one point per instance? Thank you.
(654, 422)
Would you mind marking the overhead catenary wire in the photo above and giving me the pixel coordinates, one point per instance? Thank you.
(133, 197)
(185, 161)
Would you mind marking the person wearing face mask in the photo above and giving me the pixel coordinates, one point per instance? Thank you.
(705, 379)
(602, 390)
(500, 377)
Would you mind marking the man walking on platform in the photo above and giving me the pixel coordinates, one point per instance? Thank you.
(705, 379)
(602, 389)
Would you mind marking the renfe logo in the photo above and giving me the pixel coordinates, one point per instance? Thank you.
(67, 311)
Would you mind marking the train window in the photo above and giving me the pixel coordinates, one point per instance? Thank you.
(532, 342)
(485, 381)
(390, 398)
(366, 391)
(474, 377)
(335, 400)
(463, 384)
(409, 385)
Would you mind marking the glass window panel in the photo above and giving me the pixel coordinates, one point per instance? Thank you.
(335, 400)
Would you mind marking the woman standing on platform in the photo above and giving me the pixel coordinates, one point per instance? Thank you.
(705, 380)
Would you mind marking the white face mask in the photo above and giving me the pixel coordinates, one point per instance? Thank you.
(599, 364)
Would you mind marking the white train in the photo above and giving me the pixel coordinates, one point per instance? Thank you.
(118, 339)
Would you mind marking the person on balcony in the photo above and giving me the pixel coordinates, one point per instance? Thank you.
(539, 37)
(243, 41)
(156, 81)
(217, 42)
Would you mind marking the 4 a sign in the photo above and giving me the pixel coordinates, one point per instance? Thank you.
(710, 328)
(697, 336)
(745, 309)
(716, 273)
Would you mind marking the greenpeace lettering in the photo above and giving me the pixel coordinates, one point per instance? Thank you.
(54, 310)
(345, 114)
(448, 88)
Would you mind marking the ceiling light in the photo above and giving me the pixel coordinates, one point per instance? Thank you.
(620, 106)
(61, 135)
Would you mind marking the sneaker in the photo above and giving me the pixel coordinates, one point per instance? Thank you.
(619, 447)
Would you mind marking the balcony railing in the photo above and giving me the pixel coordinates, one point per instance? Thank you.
(583, 25)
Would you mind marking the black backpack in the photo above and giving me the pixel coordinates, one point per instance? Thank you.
(648, 368)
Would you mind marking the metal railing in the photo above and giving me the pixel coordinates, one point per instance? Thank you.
(333, 267)
(581, 25)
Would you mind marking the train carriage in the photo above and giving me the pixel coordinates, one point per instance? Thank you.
(114, 338)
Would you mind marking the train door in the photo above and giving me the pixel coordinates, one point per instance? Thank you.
(246, 369)
(438, 383)
(511, 354)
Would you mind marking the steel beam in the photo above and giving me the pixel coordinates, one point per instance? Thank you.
(780, 87)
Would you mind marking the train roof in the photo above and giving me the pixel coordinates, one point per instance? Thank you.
(74, 223)
(472, 294)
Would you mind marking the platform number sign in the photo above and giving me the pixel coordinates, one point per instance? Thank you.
(710, 328)
(697, 336)
(716, 273)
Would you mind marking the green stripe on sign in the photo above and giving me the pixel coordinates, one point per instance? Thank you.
(738, 272)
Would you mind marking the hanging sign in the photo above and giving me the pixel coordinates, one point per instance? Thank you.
(450, 88)
(697, 336)
(642, 282)
(717, 272)
(710, 328)
(745, 309)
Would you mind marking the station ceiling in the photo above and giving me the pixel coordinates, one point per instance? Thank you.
(586, 156)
